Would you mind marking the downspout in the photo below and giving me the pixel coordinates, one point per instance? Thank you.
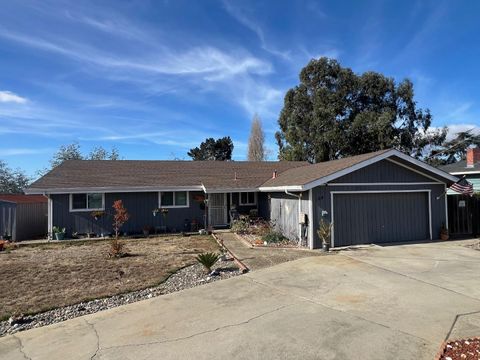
(299, 197)
(49, 216)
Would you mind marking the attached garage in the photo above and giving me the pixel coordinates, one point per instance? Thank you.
(380, 217)
(376, 198)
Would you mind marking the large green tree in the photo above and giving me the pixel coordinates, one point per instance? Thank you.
(334, 113)
(211, 149)
(455, 149)
(73, 152)
(12, 181)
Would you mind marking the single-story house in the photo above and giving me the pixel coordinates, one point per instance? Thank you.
(380, 197)
(464, 210)
(23, 217)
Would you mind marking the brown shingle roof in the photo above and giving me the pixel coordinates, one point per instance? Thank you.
(307, 174)
(214, 175)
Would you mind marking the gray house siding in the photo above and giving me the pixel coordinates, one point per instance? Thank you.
(139, 205)
(322, 202)
(383, 171)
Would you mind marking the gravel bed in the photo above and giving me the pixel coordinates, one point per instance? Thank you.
(462, 350)
(185, 278)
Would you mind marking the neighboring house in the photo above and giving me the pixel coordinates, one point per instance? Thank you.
(380, 197)
(464, 210)
(23, 217)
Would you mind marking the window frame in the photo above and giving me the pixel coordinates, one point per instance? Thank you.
(247, 203)
(174, 206)
(87, 208)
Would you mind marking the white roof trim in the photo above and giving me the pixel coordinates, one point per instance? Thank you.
(40, 191)
(465, 172)
(281, 188)
(230, 190)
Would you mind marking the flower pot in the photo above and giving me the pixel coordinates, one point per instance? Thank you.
(444, 236)
(146, 232)
(59, 236)
(325, 247)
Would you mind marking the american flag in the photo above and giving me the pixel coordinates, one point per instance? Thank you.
(462, 186)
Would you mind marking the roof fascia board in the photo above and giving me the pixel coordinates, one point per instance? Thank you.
(281, 188)
(465, 172)
(230, 190)
(40, 191)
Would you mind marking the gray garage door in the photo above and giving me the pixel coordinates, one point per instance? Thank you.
(368, 218)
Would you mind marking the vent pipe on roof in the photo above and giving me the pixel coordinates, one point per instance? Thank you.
(236, 176)
(274, 176)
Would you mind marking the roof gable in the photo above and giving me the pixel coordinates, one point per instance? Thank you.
(323, 173)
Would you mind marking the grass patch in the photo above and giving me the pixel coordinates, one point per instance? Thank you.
(42, 277)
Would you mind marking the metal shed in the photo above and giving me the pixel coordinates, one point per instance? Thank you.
(23, 217)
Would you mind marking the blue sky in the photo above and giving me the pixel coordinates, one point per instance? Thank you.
(155, 78)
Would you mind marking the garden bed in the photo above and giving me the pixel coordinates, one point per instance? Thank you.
(466, 349)
(48, 276)
(256, 241)
(261, 233)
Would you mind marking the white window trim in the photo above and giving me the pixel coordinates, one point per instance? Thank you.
(85, 210)
(247, 204)
(173, 206)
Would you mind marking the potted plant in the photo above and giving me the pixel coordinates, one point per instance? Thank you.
(444, 232)
(324, 233)
(97, 214)
(6, 236)
(146, 230)
(58, 233)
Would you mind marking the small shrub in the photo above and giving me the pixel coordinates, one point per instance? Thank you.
(261, 228)
(241, 226)
(117, 249)
(324, 231)
(273, 237)
(208, 260)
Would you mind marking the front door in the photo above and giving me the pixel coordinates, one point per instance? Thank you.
(217, 209)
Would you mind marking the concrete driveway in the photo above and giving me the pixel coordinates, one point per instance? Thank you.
(380, 303)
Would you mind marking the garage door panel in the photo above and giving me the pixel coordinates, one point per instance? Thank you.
(365, 218)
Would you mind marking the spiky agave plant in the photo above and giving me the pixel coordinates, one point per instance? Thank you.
(208, 260)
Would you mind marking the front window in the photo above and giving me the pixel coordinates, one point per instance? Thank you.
(248, 198)
(87, 202)
(174, 199)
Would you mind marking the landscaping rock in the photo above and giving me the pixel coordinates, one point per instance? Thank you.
(185, 278)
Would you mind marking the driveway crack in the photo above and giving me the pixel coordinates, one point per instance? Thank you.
(410, 277)
(241, 323)
(21, 347)
(92, 326)
(305, 299)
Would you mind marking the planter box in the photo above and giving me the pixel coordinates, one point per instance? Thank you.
(59, 236)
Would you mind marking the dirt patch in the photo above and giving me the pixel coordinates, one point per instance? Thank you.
(39, 278)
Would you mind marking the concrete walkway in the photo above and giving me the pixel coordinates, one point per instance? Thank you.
(262, 257)
(382, 303)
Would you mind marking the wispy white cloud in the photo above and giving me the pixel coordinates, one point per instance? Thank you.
(252, 25)
(23, 151)
(10, 97)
